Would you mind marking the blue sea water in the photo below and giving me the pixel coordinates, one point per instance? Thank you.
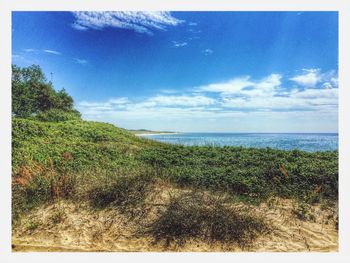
(310, 142)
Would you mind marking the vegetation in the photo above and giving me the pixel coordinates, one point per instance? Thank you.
(254, 174)
(126, 193)
(32, 93)
(195, 215)
(56, 155)
(57, 115)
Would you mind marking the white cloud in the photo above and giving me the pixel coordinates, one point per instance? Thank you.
(15, 56)
(52, 52)
(265, 87)
(197, 100)
(207, 51)
(194, 31)
(80, 61)
(260, 105)
(28, 50)
(309, 79)
(312, 99)
(196, 37)
(242, 93)
(192, 24)
(179, 44)
(232, 86)
(118, 101)
(111, 104)
(141, 22)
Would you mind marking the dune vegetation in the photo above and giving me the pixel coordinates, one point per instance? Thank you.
(170, 194)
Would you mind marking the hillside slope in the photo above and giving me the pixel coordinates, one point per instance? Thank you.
(66, 171)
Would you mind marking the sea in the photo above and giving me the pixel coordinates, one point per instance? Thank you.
(310, 142)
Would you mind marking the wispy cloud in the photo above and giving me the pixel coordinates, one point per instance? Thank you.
(80, 61)
(207, 51)
(179, 44)
(29, 50)
(111, 104)
(225, 102)
(193, 37)
(228, 87)
(192, 24)
(16, 56)
(188, 100)
(141, 22)
(54, 52)
(194, 31)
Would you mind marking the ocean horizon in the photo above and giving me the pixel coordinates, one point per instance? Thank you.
(310, 142)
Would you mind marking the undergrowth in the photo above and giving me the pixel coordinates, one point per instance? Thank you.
(253, 174)
(125, 193)
(195, 215)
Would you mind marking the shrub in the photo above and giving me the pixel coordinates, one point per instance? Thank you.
(126, 193)
(37, 185)
(302, 211)
(194, 215)
(32, 225)
(255, 174)
(57, 115)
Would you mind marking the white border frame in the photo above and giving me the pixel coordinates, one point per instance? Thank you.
(6, 7)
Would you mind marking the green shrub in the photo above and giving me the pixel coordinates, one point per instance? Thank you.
(253, 173)
(57, 115)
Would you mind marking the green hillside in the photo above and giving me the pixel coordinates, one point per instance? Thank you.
(82, 153)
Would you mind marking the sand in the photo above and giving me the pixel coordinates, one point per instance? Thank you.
(82, 229)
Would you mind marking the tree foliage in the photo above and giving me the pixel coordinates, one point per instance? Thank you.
(33, 94)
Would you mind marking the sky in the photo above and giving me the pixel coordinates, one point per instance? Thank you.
(189, 71)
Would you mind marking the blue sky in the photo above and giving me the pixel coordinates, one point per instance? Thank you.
(190, 71)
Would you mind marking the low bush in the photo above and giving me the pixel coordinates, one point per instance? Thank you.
(57, 115)
(195, 215)
(37, 185)
(126, 193)
(255, 174)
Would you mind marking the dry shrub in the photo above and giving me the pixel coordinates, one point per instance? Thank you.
(126, 193)
(35, 185)
(196, 215)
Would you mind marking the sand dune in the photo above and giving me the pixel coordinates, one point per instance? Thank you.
(81, 229)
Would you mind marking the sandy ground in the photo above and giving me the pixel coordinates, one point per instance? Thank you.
(66, 226)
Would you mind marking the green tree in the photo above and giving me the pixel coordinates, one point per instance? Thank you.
(33, 94)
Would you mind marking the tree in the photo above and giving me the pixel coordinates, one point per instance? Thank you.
(33, 94)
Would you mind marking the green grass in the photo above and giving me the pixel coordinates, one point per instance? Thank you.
(98, 162)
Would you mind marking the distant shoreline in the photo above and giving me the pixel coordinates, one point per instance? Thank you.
(156, 133)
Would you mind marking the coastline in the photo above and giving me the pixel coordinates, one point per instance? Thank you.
(160, 133)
